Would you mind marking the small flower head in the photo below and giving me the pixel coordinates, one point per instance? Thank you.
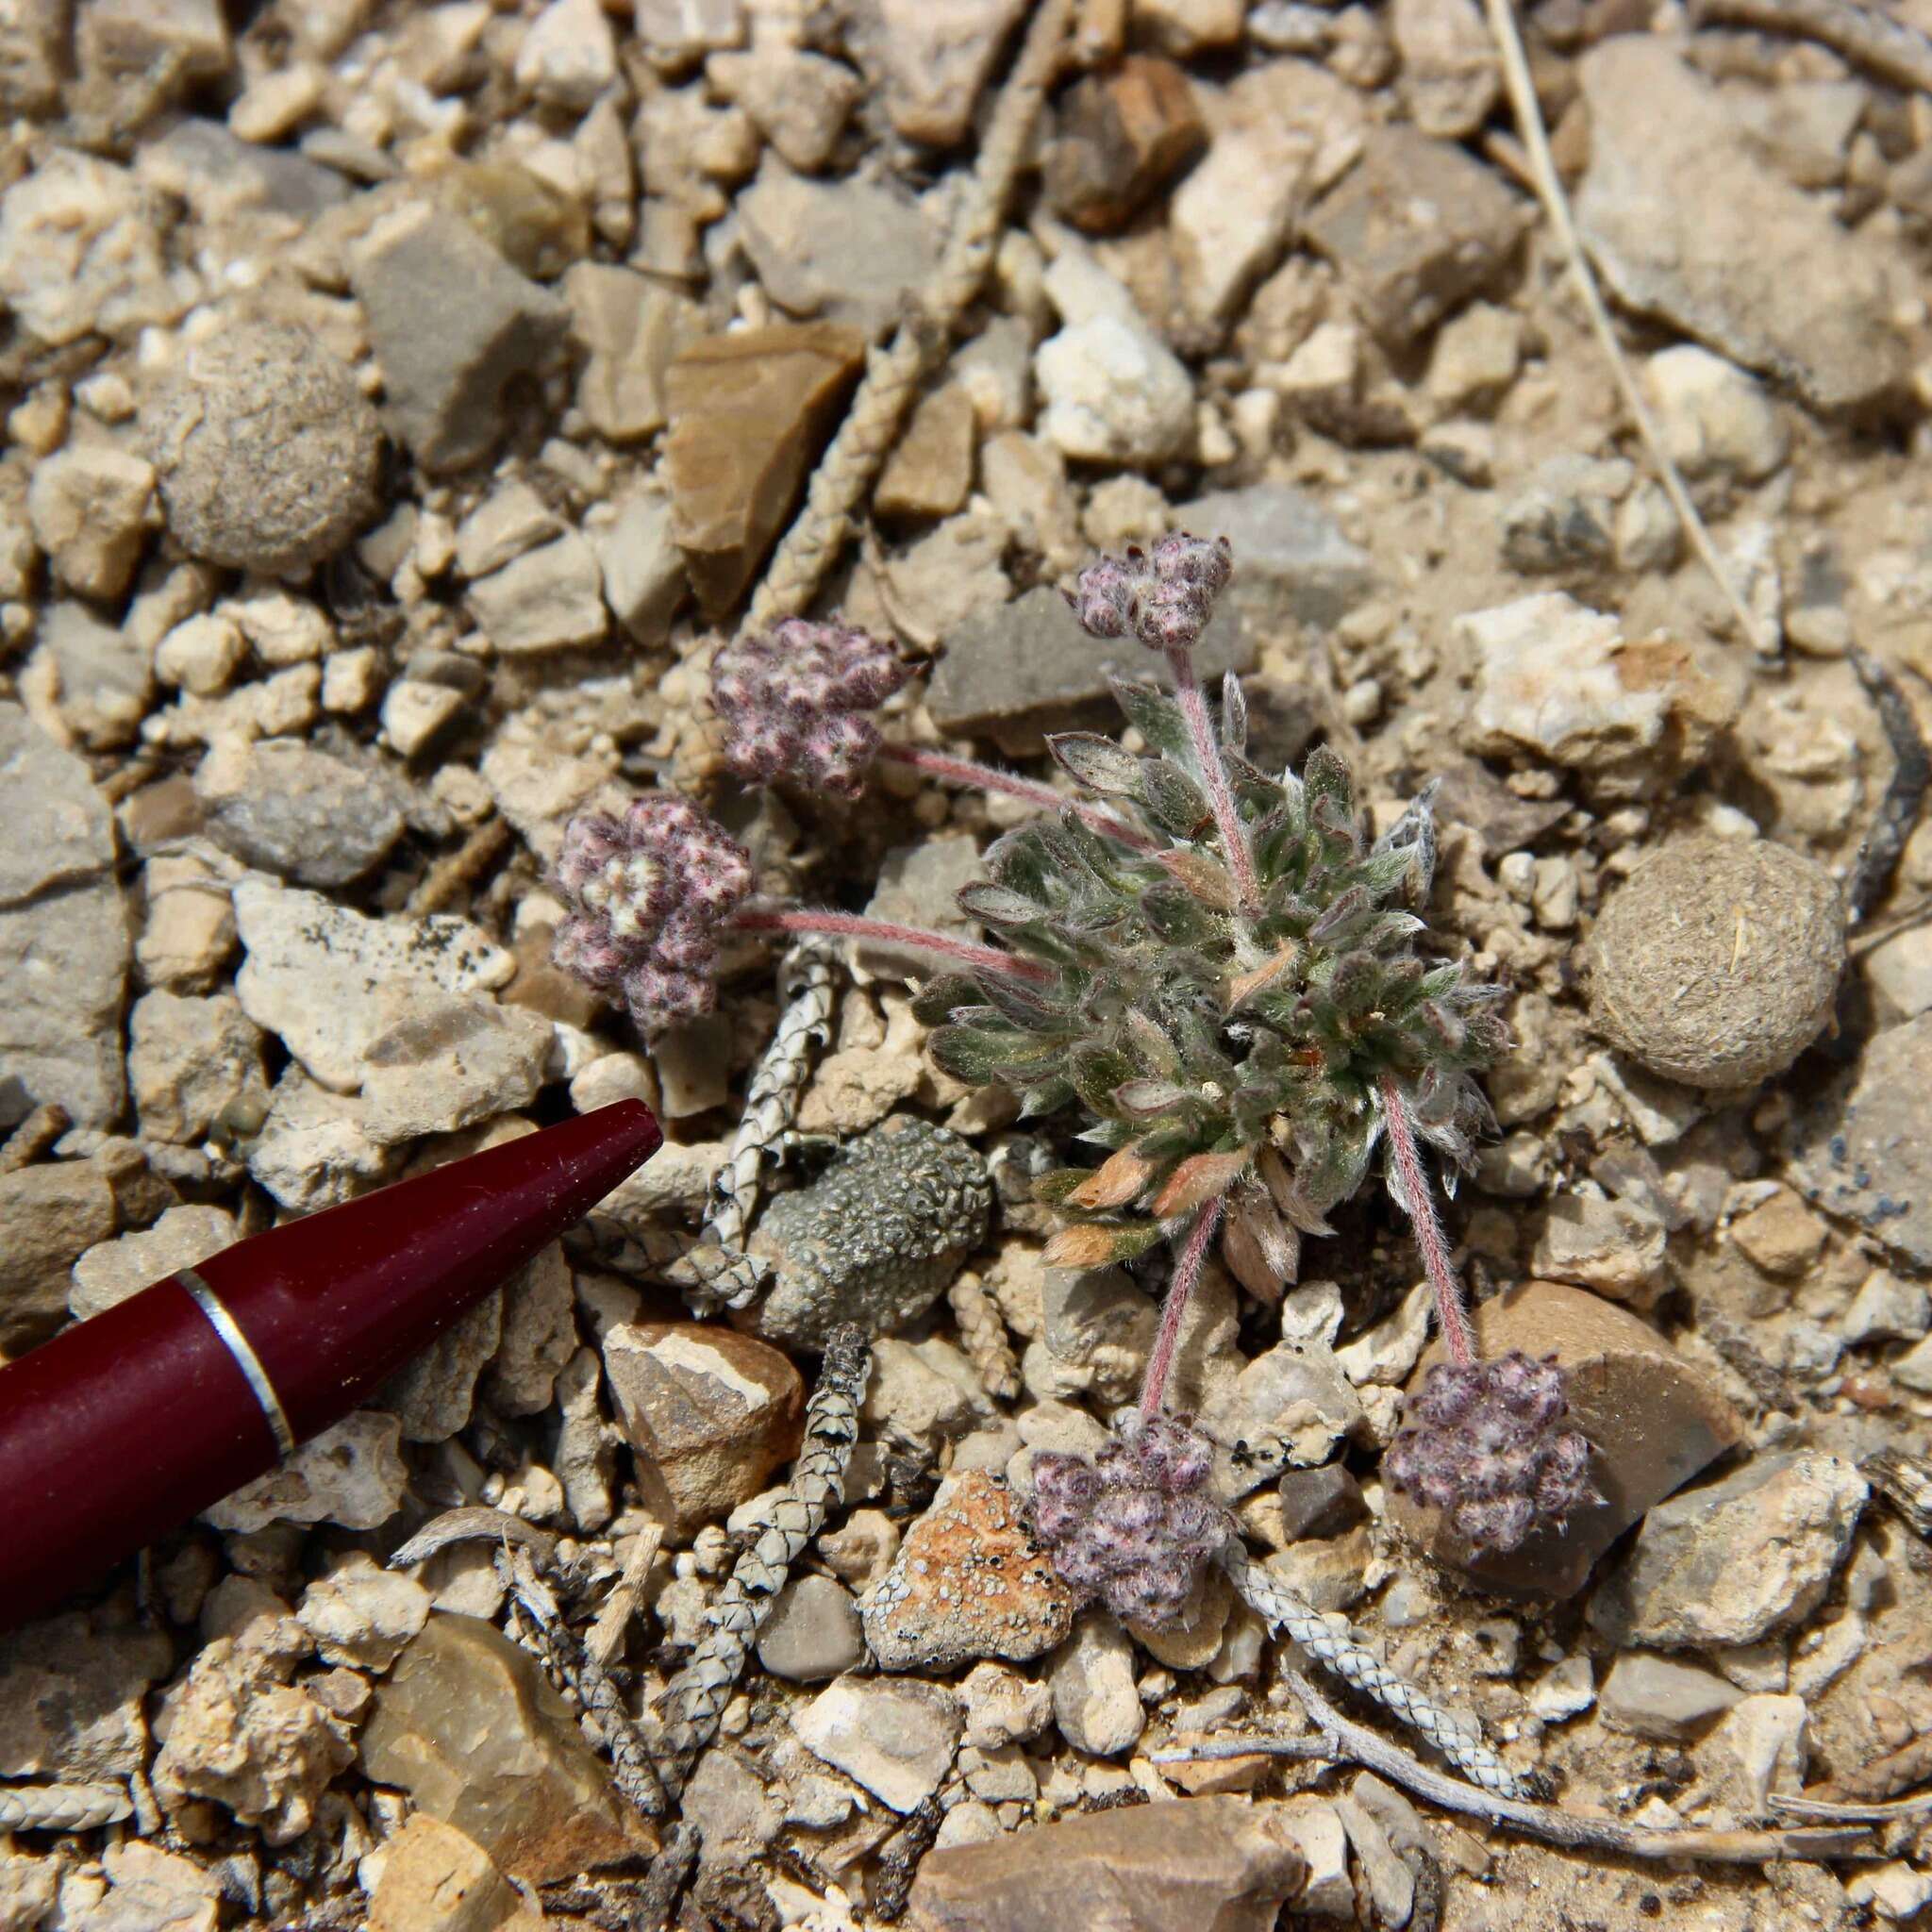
(792, 703)
(1164, 596)
(647, 892)
(1486, 1445)
(1135, 1526)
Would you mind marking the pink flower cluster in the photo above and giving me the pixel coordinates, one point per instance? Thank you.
(1163, 596)
(1486, 1444)
(792, 703)
(1137, 1525)
(648, 892)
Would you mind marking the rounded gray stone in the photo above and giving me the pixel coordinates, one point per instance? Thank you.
(1717, 962)
(813, 1633)
(266, 450)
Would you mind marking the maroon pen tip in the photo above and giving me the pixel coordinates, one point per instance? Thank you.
(335, 1303)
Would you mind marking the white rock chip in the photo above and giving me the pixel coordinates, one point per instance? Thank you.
(362, 1614)
(353, 1473)
(937, 54)
(330, 981)
(90, 508)
(1114, 391)
(1092, 1678)
(547, 600)
(1546, 681)
(184, 1237)
(312, 1151)
(1716, 421)
(569, 57)
(896, 1738)
(80, 249)
(63, 932)
(448, 1063)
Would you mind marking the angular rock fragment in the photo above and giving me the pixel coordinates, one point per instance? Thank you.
(1733, 1560)
(452, 323)
(749, 413)
(1416, 227)
(896, 1738)
(330, 981)
(467, 1724)
(709, 1412)
(1015, 671)
(435, 1878)
(968, 1582)
(1654, 1419)
(1749, 264)
(1217, 1864)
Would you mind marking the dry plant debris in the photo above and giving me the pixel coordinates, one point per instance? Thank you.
(430, 426)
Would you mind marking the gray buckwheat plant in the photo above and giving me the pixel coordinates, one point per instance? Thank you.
(1214, 966)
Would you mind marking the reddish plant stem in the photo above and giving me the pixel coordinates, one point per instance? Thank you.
(1180, 1292)
(973, 776)
(1234, 839)
(1451, 1306)
(854, 926)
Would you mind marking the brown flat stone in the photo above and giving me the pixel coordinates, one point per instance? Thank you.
(1122, 135)
(710, 1412)
(1219, 1864)
(468, 1725)
(1653, 1419)
(750, 411)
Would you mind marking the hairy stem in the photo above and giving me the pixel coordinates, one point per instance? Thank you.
(973, 776)
(1234, 839)
(882, 932)
(1451, 1306)
(1180, 1292)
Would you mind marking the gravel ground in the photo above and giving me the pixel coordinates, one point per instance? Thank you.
(404, 402)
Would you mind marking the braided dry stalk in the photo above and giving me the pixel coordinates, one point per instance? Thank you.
(715, 1272)
(62, 1807)
(983, 1335)
(1456, 1736)
(892, 373)
(695, 1700)
(1888, 48)
(1549, 189)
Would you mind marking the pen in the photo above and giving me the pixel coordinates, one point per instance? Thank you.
(126, 1426)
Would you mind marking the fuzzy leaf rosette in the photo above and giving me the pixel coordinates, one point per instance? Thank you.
(1222, 1050)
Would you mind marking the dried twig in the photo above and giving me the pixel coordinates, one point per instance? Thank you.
(545, 1633)
(715, 1272)
(1884, 1777)
(1458, 1737)
(695, 1700)
(656, 1898)
(1549, 187)
(1879, 43)
(1898, 811)
(892, 373)
(898, 1859)
(1343, 1739)
(456, 874)
(62, 1807)
(606, 1636)
(472, 1524)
